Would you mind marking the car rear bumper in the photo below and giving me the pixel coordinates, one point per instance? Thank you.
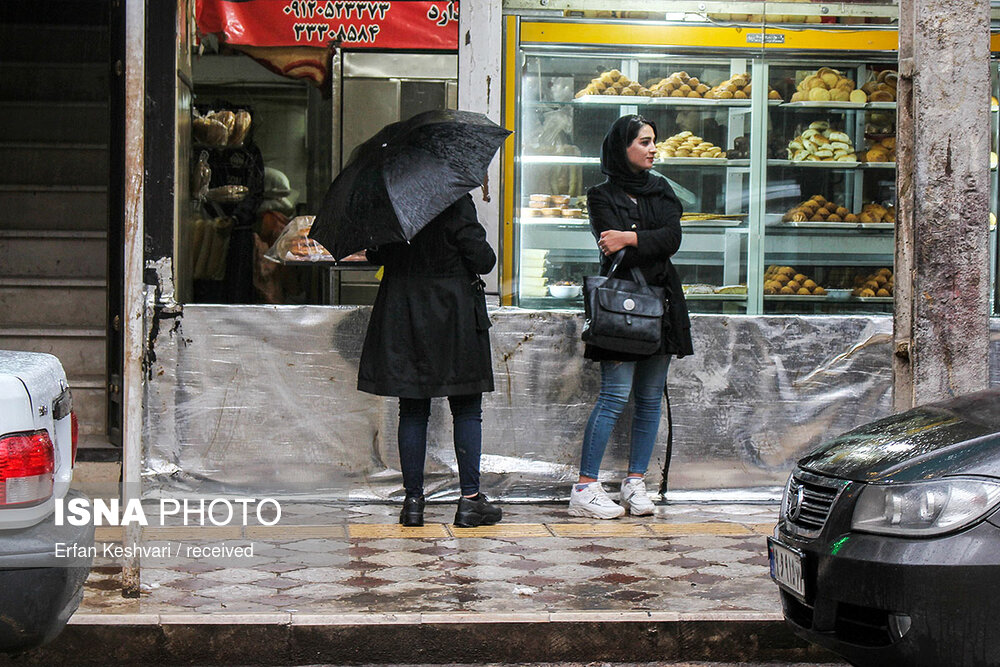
(39, 588)
(887, 601)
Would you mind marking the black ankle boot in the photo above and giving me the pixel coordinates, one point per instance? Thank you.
(412, 513)
(477, 511)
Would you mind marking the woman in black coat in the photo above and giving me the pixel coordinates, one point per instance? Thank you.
(428, 336)
(635, 209)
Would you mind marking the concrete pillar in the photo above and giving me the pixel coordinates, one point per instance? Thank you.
(480, 52)
(941, 318)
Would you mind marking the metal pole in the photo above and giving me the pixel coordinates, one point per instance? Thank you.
(135, 23)
(941, 317)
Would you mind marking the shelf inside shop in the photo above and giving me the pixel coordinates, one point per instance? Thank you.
(715, 297)
(878, 165)
(848, 106)
(619, 100)
(814, 164)
(584, 223)
(559, 159)
(702, 162)
(846, 226)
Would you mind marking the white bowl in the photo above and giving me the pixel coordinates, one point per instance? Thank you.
(565, 291)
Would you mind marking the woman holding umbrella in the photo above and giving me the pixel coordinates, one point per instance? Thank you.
(428, 336)
(635, 209)
(403, 196)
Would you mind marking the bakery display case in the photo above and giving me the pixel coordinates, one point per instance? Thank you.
(568, 102)
(789, 188)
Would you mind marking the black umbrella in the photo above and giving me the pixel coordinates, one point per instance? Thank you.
(404, 176)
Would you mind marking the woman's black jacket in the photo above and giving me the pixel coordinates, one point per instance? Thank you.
(658, 239)
(428, 333)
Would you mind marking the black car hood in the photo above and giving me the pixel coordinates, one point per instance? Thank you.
(960, 436)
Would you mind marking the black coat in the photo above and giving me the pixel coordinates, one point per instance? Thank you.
(428, 333)
(658, 239)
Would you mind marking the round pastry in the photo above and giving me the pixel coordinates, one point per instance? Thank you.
(866, 218)
(786, 290)
(693, 82)
(819, 125)
(872, 285)
(857, 97)
(802, 291)
(799, 216)
(606, 78)
(881, 96)
(701, 88)
(830, 79)
(610, 91)
(725, 95)
(819, 95)
(809, 284)
(882, 292)
(842, 211)
(817, 218)
(819, 291)
(884, 272)
(793, 285)
(740, 95)
(824, 154)
(866, 292)
(615, 74)
(819, 199)
(833, 217)
(773, 95)
(694, 94)
(840, 95)
(684, 88)
(800, 278)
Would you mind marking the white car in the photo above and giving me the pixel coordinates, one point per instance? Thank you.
(39, 588)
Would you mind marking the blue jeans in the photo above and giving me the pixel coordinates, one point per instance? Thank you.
(467, 417)
(618, 379)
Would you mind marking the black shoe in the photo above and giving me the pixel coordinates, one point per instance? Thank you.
(412, 513)
(477, 511)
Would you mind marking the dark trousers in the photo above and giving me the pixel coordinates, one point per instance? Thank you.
(467, 417)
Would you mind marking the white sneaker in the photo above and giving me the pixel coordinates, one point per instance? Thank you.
(593, 501)
(634, 497)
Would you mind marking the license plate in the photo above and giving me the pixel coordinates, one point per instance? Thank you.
(786, 567)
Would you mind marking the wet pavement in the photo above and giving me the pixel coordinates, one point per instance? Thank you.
(339, 558)
(343, 583)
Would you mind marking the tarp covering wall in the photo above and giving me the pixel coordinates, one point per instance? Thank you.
(262, 399)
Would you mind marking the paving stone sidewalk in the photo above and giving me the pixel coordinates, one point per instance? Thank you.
(336, 559)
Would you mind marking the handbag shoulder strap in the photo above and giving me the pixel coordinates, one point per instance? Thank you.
(616, 263)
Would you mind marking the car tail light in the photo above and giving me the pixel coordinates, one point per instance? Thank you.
(76, 434)
(27, 461)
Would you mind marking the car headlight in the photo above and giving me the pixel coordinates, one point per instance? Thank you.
(923, 509)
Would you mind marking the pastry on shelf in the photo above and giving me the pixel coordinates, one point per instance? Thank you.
(738, 87)
(883, 150)
(879, 283)
(822, 143)
(786, 280)
(819, 209)
(679, 84)
(614, 82)
(882, 86)
(687, 144)
(825, 85)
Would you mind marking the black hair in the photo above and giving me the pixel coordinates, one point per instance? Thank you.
(635, 124)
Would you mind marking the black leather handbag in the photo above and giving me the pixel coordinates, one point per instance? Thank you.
(622, 315)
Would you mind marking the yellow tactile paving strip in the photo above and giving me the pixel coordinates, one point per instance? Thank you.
(440, 530)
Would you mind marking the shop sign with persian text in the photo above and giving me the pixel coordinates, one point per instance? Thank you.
(375, 24)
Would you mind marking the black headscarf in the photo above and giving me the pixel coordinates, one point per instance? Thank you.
(615, 164)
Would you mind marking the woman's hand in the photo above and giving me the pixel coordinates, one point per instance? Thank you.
(612, 241)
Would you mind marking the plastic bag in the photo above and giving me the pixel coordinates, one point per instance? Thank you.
(294, 245)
